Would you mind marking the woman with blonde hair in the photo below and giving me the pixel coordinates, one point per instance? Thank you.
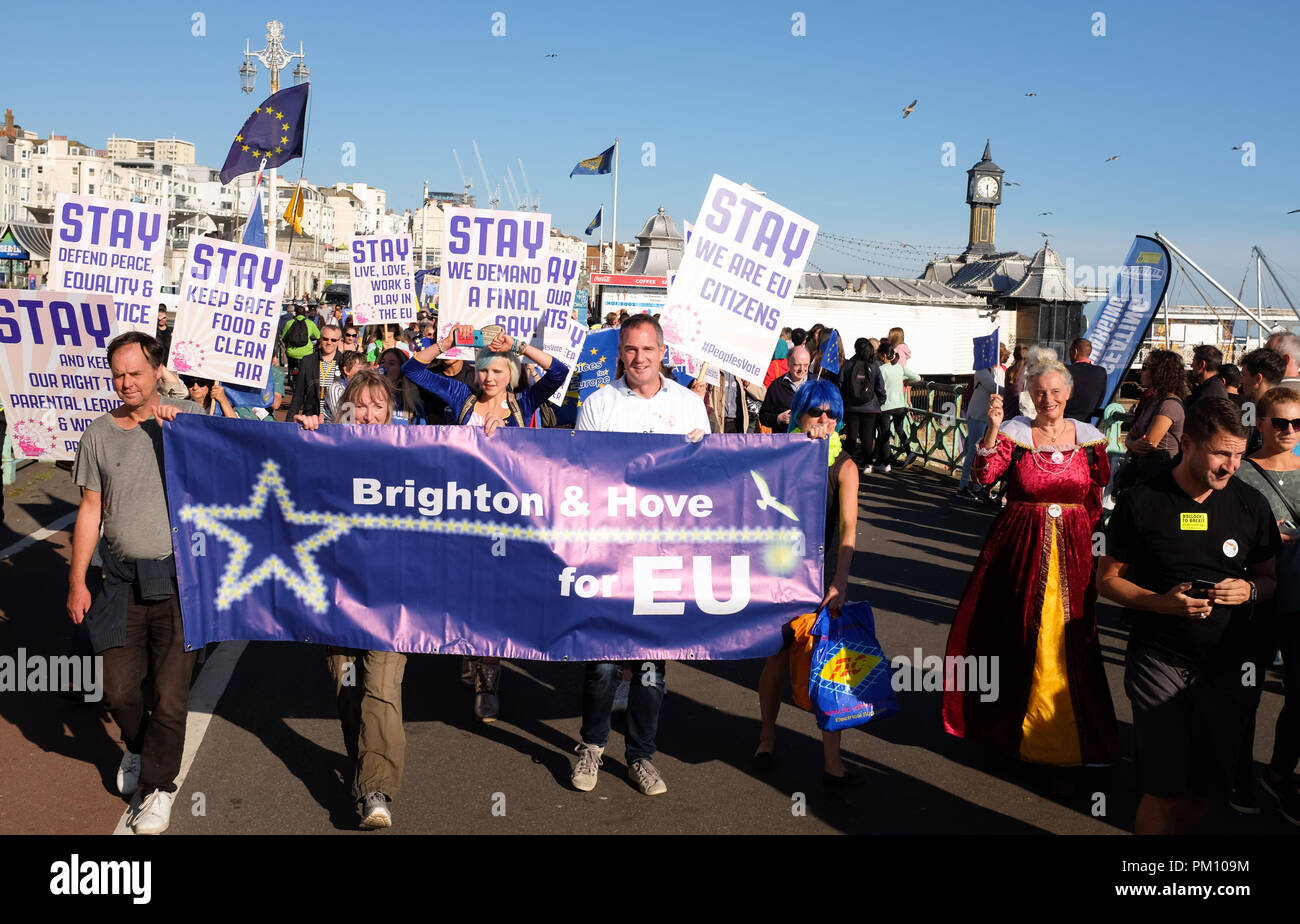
(368, 684)
(1029, 603)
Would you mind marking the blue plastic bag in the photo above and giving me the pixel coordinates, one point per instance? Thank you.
(850, 682)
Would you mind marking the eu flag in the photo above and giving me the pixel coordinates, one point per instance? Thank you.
(986, 351)
(273, 131)
(595, 222)
(601, 163)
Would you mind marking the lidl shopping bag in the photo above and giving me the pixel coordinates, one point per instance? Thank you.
(850, 681)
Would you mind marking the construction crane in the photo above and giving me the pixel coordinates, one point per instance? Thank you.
(487, 184)
(465, 181)
(514, 190)
(530, 202)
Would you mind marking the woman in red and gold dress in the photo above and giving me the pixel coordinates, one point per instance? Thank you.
(1029, 601)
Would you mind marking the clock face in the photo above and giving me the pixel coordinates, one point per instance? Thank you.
(986, 187)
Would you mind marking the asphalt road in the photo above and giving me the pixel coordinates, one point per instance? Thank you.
(266, 754)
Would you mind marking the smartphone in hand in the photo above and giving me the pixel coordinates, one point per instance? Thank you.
(1200, 589)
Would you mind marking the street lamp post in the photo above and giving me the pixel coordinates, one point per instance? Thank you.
(275, 59)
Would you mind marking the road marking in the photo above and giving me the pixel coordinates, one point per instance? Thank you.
(204, 696)
(45, 532)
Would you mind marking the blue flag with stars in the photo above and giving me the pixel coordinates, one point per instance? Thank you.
(986, 351)
(273, 131)
(601, 163)
(595, 222)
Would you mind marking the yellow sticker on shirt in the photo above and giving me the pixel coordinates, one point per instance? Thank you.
(1198, 522)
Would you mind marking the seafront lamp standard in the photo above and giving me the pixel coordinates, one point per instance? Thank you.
(275, 59)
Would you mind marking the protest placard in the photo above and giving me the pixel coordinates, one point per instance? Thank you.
(493, 267)
(383, 280)
(230, 306)
(557, 332)
(114, 248)
(744, 261)
(54, 368)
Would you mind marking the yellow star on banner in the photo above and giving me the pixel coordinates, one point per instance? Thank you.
(602, 359)
(239, 137)
(593, 351)
(279, 115)
(257, 110)
(284, 139)
(244, 148)
(277, 150)
(284, 125)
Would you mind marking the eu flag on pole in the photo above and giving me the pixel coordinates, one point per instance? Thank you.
(601, 163)
(595, 222)
(255, 230)
(273, 131)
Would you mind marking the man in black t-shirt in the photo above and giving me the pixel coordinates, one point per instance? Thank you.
(1184, 667)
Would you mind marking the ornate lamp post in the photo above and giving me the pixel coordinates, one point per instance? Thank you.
(275, 59)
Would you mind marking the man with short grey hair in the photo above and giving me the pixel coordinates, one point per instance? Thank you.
(775, 413)
(135, 621)
(1288, 345)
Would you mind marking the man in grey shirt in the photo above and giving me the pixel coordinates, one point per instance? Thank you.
(135, 622)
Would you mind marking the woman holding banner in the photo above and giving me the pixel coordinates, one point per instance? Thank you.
(817, 411)
(1028, 607)
(368, 684)
(490, 404)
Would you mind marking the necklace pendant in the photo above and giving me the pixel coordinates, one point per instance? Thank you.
(1057, 457)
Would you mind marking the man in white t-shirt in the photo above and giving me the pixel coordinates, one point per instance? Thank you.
(642, 401)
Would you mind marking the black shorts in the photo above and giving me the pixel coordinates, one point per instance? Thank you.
(1187, 725)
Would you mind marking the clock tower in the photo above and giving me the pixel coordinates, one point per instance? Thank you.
(984, 195)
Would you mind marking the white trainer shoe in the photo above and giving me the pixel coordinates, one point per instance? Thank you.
(587, 768)
(647, 778)
(128, 774)
(155, 813)
(375, 812)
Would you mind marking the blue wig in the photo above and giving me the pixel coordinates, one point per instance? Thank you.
(815, 393)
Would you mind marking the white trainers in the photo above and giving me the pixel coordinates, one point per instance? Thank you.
(375, 812)
(621, 695)
(587, 768)
(866, 469)
(128, 774)
(647, 778)
(887, 469)
(155, 813)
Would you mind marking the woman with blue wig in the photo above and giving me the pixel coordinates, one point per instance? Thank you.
(490, 404)
(818, 411)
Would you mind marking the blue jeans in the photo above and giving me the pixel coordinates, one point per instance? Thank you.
(975, 430)
(643, 702)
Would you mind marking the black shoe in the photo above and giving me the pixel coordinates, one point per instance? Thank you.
(1285, 793)
(1243, 799)
(848, 781)
(762, 762)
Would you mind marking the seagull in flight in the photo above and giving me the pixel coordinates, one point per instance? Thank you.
(1044, 234)
(908, 111)
(552, 55)
(1044, 213)
(1010, 183)
(1031, 94)
(767, 500)
(1113, 157)
(1293, 211)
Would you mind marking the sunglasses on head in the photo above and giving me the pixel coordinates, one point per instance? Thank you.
(1283, 423)
(821, 412)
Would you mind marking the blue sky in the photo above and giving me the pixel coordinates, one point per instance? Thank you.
(813, 120)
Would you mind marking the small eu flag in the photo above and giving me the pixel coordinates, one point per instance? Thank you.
(601, 163)
(274, 131)
(595, 222)
(986, 351)
(255, 230)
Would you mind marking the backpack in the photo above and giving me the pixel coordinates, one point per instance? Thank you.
(297, 335)
(859, 382)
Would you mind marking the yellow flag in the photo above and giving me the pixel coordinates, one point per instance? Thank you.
(293, 214)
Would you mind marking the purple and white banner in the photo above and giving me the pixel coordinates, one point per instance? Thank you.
(114, 248)
(557, 332)
(383, 280)
(494, 264)
(743, 263)
(541, 544)
(54, 374)
(230, 311)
